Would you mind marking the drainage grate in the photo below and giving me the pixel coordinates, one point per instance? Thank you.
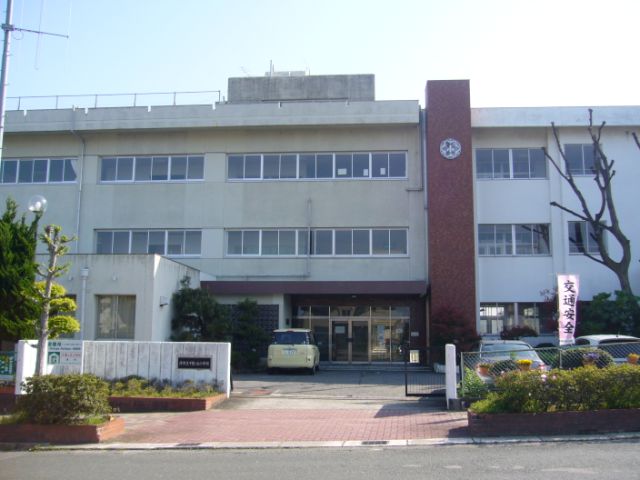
(375, 442)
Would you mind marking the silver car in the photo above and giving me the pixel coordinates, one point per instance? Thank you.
(492, 351)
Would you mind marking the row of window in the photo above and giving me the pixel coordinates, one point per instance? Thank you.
(496, 163)
(38, 170)
(339, 242)
(495, 317)
(531, 239)
(317, 166)
(161, 242)
(152, 169)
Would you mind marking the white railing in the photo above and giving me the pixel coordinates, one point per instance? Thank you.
(45, 102)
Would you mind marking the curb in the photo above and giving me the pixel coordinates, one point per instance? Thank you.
(423, 442)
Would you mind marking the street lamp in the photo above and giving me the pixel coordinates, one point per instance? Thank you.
(38, 205)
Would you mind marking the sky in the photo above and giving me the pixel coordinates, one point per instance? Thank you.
(514, 52)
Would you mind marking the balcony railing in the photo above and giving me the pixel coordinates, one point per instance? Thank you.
(102, 100)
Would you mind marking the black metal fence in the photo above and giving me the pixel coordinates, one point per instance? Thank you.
(419, 380)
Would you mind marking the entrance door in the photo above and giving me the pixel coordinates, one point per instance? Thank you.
(350, 341)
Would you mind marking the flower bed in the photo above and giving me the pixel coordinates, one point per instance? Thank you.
(61, 434)
(164, 404)
(553, 423)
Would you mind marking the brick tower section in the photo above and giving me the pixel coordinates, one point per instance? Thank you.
(450, 213)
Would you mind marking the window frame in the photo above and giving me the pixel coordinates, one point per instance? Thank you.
(192, 162)
(68, 163)
(510, 231)
(115, 317)
(136, 231)
(586, 230)
(511, 160)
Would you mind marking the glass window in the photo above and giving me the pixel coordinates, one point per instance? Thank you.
(160, 168)
(484, 163)
(56, 170)
(580, 158)
(380, 241)
(25, 173)
(70, 170)
(124, 169)
(504, 242)
(343, 165)
(344, 242)
(235, 166)
(104, 242)
(501, 163)
(303, 242)
(175, 243)
(323, 242)
(156, 242)
(397, 165)
(537, 163)
(520, 163)
(139, 242)
(195, 168)
(251, 242)
(398, 242)
(288, 166)
(494, 317)
(178, 168)
(287, 244)
(193, 243)
(532, 239)
(234, 243)
(39, 171)
(270, 242)
(252, 166)
(361, 242)
(271, 166)
(143, 169)
(121, 242)
(9, 170)
(116, 317)
(307, 166)
(108, 170)
(361, 165)
(325, 165)
(582, 238)
(380, 164)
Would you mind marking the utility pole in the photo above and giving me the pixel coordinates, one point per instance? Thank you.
(8, 27)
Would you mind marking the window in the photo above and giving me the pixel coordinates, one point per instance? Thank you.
(39, 170)
(276, 166)
(152, 169)
(582, 238)
(162, 242)
(116, 317)
(321, 242)
(496, 163)
(524, 239)
(580, 158)
(495, 317)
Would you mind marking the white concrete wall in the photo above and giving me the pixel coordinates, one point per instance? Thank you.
(513, 279)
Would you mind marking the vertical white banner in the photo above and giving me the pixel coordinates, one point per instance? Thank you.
(568, 288)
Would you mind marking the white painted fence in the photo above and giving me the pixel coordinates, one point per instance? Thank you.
(159, 360)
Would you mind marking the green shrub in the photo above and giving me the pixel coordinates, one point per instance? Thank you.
(63, 399)
(139, 387)
(472, 385)
(564, 390)
(571, 358)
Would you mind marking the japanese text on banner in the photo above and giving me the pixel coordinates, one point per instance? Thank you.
(568, 287)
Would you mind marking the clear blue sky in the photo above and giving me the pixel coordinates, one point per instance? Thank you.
(515, 52)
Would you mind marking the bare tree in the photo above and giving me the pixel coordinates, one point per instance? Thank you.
(602, 218)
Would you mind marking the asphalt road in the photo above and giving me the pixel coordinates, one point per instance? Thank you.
(548, 461)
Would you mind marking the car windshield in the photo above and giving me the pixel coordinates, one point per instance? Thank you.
(509, 350)
(290, 338)
(505, 347)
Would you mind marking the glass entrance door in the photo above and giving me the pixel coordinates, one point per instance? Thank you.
(350, 341)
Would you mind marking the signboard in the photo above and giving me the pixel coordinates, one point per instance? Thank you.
(64, 352)
(7, 365)
(197, 363)
(568, 287)
(414, 356)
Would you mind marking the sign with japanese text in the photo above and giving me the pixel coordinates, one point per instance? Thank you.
(568, 287)
(7, 365)
(196, 363)
(64, 352)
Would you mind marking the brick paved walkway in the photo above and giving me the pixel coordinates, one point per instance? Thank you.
(291, 425)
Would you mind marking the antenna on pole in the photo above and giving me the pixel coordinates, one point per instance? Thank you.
(8, 27)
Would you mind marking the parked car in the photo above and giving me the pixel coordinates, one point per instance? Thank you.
(618, 346)
(492, 351)
(293, 348)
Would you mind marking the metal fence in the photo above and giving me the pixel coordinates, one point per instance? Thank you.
(490, 364)
(420, 381)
